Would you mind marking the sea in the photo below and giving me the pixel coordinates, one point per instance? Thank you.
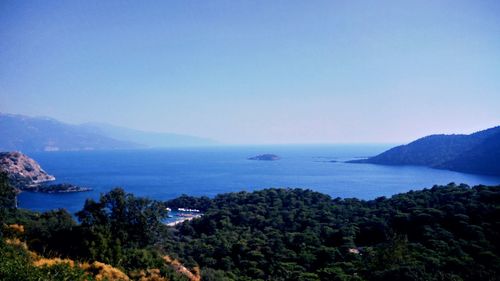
(163, 174)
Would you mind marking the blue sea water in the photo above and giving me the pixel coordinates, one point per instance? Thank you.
(167, 173)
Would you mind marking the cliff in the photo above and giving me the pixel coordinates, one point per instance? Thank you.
(22, 171)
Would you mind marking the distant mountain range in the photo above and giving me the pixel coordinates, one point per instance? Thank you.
(19, 132)
(150, 139)
(475, 153)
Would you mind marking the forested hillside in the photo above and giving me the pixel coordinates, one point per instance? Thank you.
(118, 237)
(474, 153)
(442, 233)
(482, 158)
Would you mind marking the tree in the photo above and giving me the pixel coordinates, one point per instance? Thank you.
(7, 198)
(120, 221)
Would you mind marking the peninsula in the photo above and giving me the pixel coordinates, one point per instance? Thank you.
(476, 153)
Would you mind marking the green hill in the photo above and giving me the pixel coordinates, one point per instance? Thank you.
(442, 233)
(476, 153)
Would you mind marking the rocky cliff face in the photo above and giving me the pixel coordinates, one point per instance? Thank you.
(23, 172)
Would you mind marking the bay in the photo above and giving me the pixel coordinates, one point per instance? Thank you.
(163, 174)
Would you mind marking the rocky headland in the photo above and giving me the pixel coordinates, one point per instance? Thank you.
(24, 173)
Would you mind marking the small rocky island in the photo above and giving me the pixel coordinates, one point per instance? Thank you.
(60, 188)
(25, 174)
(265, 157)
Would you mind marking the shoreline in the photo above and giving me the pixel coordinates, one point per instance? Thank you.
(181, 220)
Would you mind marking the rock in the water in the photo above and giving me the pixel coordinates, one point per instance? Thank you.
(60, 188)
(265, 157)
(22, 171)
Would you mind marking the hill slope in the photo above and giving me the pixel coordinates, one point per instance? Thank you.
(442, 233)
(477, 153)
(45, 134)
(483, 158)
(150, 139)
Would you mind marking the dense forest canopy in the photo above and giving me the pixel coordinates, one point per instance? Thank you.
(442, 233)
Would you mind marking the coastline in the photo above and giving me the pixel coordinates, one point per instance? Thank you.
(181, 220)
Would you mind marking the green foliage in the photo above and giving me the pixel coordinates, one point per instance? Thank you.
(119, 229)
(15, 265)
(133, 221)
(50, 232)
(183, 201)
(442, 233)
(117, 222)
(7, 198)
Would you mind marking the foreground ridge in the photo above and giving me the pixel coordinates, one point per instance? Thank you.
(441, 233)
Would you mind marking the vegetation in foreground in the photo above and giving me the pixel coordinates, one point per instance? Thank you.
(443, 233)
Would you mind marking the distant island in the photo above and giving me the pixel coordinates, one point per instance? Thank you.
(475, 153)
(265, 157)
(26, 174)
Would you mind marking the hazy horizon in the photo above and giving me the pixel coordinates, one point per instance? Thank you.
(259, 72)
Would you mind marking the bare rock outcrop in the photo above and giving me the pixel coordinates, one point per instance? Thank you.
(22, 171)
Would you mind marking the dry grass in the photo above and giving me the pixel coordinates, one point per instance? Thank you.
(152, 274)
(193, 275)
(102, 271)
(16, 242)
(18, 228)
(50, 262)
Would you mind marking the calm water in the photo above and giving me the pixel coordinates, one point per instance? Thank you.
(168, 173)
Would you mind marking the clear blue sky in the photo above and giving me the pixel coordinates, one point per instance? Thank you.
(256, 71)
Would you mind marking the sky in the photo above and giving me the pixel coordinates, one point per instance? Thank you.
(256, 72)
